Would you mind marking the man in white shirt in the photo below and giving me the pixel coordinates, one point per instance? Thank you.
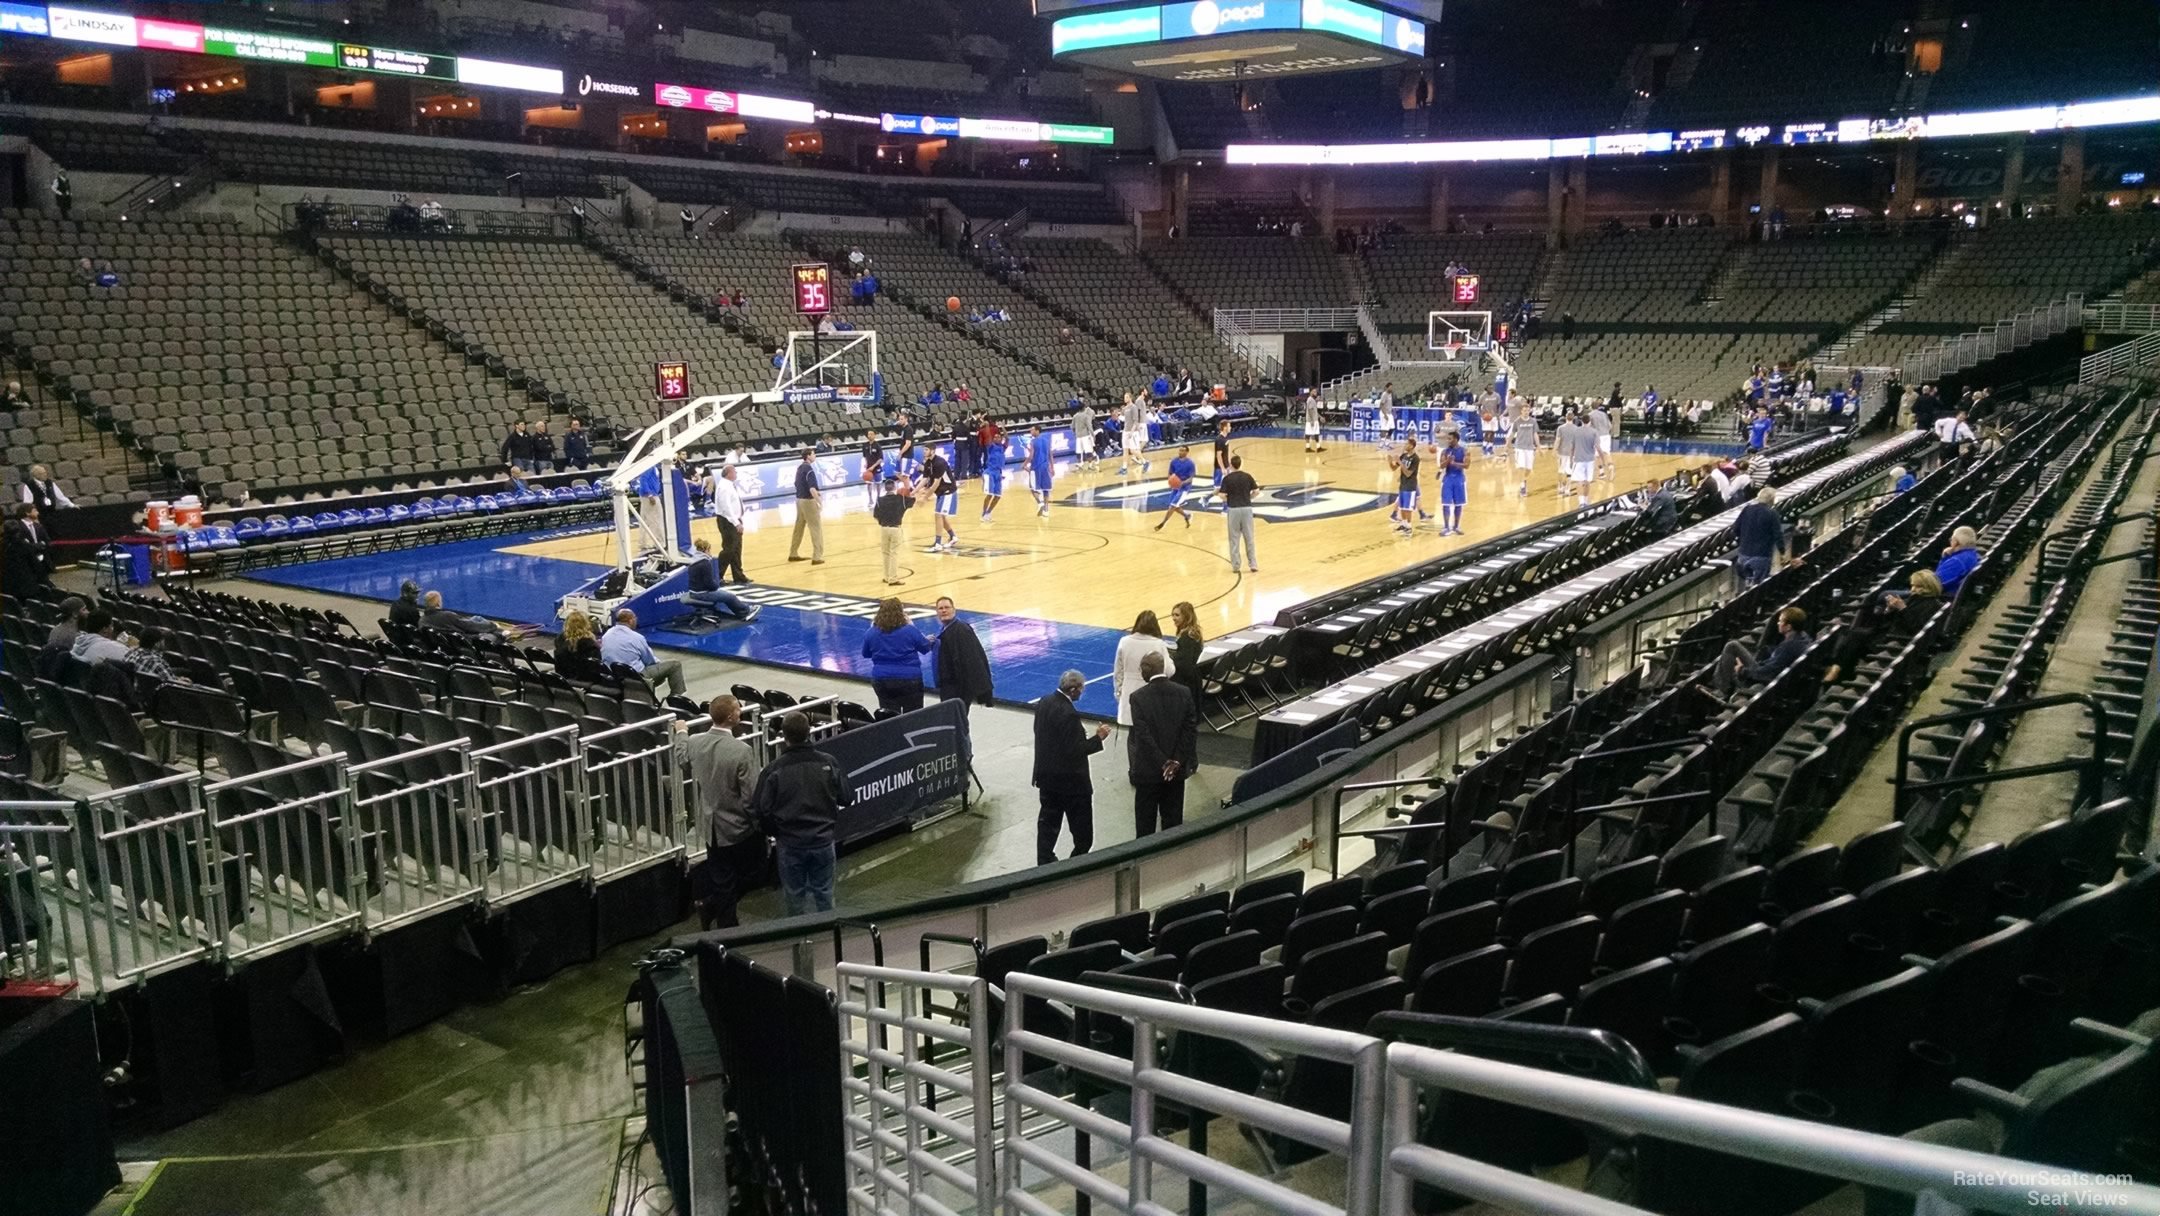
(43, 492)
(1952, 433)
(727, 504)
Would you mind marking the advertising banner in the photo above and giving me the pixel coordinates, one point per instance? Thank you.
(900, 768)
(273, 48)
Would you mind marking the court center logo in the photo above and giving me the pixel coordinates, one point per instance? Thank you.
(1275, 504)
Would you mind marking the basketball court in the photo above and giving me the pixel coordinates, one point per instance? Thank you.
(1049, 593)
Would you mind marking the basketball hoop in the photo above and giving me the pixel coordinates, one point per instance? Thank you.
(1453, 351)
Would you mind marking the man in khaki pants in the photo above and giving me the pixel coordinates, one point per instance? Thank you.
(890, 511)
(809, 511)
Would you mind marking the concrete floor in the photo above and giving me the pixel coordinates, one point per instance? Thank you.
(519, 1107)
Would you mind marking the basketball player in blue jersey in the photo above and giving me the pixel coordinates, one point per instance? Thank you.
(1182, 473)
(1454, 484)
(1040, 469)
(1405, 464)
(944, 490)
(993, 473)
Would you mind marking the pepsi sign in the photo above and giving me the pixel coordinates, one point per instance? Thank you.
(1207, 18)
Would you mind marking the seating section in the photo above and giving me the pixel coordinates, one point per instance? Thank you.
(1409, 273)
(561, 319)
(790, 192)
(113, 149)
(1253, 272)
(1117, 291)
(1833, 279)
(914, 351)
(250, 156)
(235, 361)
(2006, 268)
(55, 434)
(919, 267)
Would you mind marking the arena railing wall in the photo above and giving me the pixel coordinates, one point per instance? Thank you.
(109, 890)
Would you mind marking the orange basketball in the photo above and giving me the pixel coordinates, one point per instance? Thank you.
(1176, 482)
(952, 303)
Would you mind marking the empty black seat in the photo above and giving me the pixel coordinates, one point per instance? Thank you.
(1337, 968)
(1534, 870)
(1538, 907)
(1870, 857)
(1309, 933)
(1688, 867)
(1221, 956)
(1289, 882)
(1179, 937)
(1473, 888)
(1728, 903)
(1447, 934)
(1633, 1004)
(1803, 879)
(1646, 929)
(1554, 959)
(1269, 917)
(1129, 931)
(1339, 893)
(1397, 915)
(1615, 886)
(1714, 993)
(1180, 909)
(1466, 986)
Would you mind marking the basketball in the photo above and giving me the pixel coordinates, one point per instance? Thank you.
(952, 303)
(1176, 482)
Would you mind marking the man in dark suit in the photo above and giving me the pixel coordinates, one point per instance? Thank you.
(25, 551)
(958, 661)
(1161, 750)
(1062, 748)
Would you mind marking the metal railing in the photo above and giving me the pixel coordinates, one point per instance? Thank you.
(105, 890)
(296, 873)
(2116, 317)
(634, 796)
(1362, 1100)
(2012, 334)
(1230, 321)
(534, 815)
(1356, 1137)
(2139, 352)
(35, 943)
(147, 885)
(892, 1117)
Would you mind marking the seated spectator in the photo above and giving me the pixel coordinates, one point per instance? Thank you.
(577, 651)
(1902, 480)
(1958, 560)
(706, 589)
(1660, 511)
(1731, 482)
(515, 477)
(107, 277)
(98, 642)
(1897, 617)
(1737, 664)
(406, 611)
(12, 397)
(148, 656)
(62, 638)
(434, 616)
(622, 645)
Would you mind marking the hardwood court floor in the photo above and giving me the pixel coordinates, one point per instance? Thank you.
(1098, 560)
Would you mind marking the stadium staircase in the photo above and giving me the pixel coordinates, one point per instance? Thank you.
(682, 293)
(1922, 282)
(1018, 283)
(456, 343)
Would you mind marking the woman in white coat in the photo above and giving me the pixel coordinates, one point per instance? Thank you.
(1145, 639)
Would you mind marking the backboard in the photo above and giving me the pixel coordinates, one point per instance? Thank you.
(1455, 334)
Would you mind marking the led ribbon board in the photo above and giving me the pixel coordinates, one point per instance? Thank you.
(2073, 116)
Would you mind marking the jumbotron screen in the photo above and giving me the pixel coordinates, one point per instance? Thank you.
(1216, 40)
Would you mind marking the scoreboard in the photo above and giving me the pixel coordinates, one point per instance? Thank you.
(813, 289)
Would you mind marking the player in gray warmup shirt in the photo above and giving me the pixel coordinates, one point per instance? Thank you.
(1601, 426)
(1523, 426)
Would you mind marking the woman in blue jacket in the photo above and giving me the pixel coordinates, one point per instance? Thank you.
(895, 649)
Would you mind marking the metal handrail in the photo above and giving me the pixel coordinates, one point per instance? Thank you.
(1977, 1180)
(1336, 811)
(2094, 766)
